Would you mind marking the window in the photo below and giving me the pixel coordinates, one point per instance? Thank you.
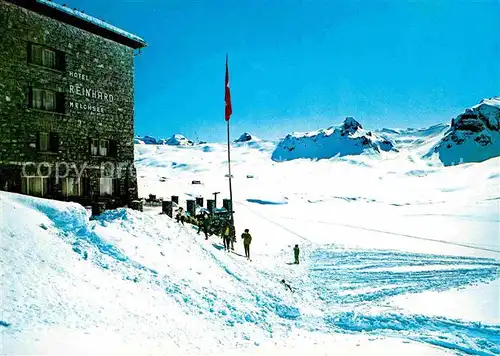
(46, 57)
(48, 142)
(49, 100)
(37, 186)
(43, 144)
(71, 187)
(43, 99)
(36, 54)
(103, 147)
(94, 146)
(105, 186)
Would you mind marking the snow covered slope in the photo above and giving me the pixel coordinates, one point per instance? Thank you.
(347, 139)
(387, 244)
(399, 256)
(474, 136)
(415, 141)
(137, 283)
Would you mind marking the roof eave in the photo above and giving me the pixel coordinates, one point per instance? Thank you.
(78, 22)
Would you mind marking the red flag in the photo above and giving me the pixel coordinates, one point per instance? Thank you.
(229, 109)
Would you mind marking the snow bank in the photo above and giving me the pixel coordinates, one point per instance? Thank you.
(347, 139)
(137, 278)
(474, 136)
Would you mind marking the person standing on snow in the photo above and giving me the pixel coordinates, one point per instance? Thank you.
(232, 236)
(226, 236)
(247, 239)
(203, 225)
(296, 252)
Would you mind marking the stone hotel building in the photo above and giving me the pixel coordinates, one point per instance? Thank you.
(66, 104)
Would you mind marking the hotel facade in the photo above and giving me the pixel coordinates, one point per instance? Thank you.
(66, 104)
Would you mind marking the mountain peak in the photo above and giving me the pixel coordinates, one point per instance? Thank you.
(474, 135)
(351, 125)
(245, 137)
(346, 139)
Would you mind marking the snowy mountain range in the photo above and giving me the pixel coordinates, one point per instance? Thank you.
(472, 137)
(174, 140)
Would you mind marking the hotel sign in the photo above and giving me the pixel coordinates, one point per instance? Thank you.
(88, 92)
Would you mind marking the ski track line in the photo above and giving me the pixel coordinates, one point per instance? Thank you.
(274, 222)
(395, 233)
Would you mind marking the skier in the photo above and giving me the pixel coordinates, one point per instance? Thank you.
(296, 252)
(287, 285)
(247, 239)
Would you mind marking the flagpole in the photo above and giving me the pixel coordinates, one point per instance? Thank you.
(227, 114)
(229, 165)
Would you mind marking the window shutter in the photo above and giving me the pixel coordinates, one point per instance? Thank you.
(60, 61)
(52, 186)
(54, 142)
(30, 97)
(112, 148)
(38, 141)
(86, 186)
(60, 103)
(116, 186)
(29, 53)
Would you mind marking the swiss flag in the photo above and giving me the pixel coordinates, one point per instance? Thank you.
(227, 98)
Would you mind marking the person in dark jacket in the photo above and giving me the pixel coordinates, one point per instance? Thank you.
(296, 252)
(203, 225)
(247, 239)
(226, 236)
(232, 237)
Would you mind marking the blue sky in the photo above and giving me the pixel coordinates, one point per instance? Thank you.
(304, 65)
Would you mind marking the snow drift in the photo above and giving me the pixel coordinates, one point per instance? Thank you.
(474, 136)
(347, 139)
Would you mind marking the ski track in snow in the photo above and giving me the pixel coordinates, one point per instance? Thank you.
(471, 338)
(357, 277)
(366, 276)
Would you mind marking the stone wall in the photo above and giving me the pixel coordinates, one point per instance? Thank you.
(98, 85)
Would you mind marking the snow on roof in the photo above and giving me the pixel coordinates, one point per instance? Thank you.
(91, 20)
